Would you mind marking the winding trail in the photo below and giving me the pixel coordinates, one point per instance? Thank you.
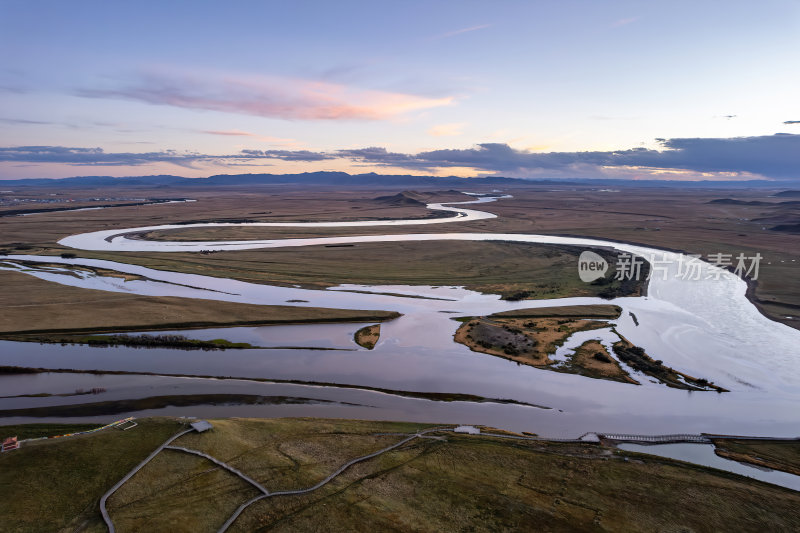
(227, 467)
(248, 479)
(112, 490)
(325, 481)
(422, 434)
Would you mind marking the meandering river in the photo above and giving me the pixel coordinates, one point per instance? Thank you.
(704, 327)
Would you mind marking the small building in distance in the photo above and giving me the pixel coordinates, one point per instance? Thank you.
(9, 444)
(201, 426)
(471, 430)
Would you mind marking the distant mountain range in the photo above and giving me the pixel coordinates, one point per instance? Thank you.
(372, 179)
(307, 178)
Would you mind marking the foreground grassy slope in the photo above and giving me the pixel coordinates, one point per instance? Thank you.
(34, 431)
(452, 483)
(33, 305)
(467, 484)
(58, 483)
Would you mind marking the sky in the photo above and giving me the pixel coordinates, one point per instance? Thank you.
(537, 89)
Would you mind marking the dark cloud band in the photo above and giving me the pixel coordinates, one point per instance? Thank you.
(98, 157)
(773, 156)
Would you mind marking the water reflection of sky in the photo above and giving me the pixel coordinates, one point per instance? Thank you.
(706, 329)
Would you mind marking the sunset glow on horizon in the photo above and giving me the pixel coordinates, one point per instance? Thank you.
(661, 90)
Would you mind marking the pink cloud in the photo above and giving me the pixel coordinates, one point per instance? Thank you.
(283, 98)
(263, 138)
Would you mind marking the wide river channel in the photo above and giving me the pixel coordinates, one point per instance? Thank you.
(703, 326)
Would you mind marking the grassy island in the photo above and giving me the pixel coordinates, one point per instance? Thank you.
(367, 337)
(532, 336)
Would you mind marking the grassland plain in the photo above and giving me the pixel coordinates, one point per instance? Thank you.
(687, 220)
(34, 431)
(261, 204)
(450, 483)
(671, 218)
(35, 307)
(45, 309)
(684, 220)
(538, 271)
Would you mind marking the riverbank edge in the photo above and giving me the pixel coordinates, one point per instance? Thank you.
(17, 336)
(433, 396)
(750, 292)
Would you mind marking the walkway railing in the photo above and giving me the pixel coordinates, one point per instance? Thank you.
(655, 439)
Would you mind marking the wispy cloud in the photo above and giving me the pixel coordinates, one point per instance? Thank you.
(288, 143)
(624, 22)
(282, 98)
(13, 88)
(25, 121)
(461, 31)
(447, 130)
(229, 133)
